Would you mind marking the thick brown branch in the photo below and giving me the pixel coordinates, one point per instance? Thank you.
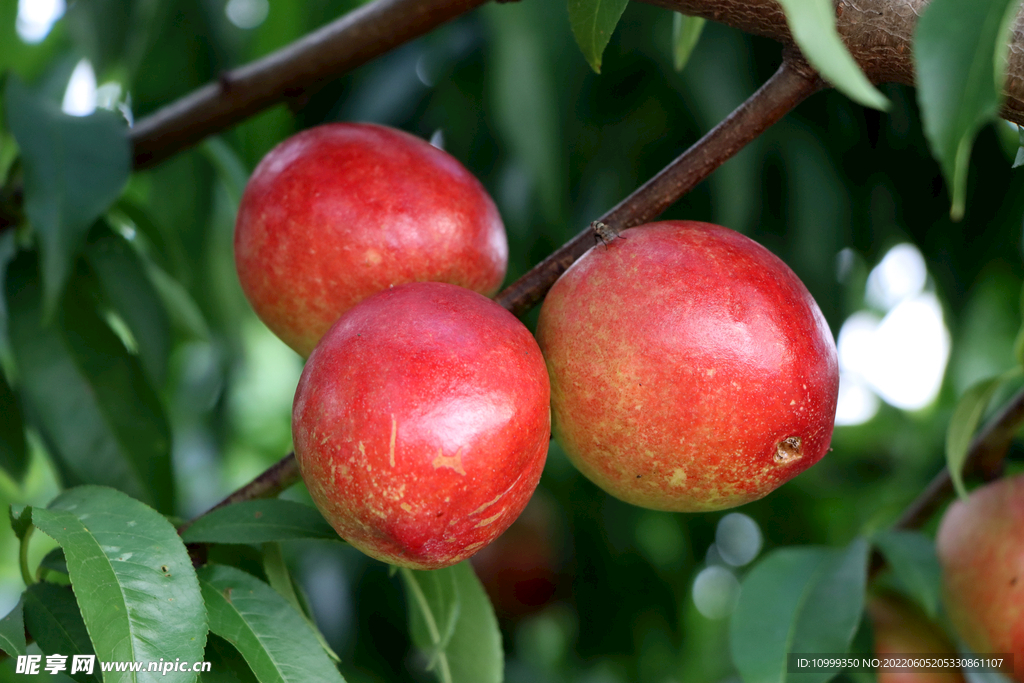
(789, 86)
(879, 34)
(352, 40)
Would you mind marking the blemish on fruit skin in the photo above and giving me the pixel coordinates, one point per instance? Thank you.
(489, 520)
(678, 477)
(788, 450)
(452, 462)
(406, 507)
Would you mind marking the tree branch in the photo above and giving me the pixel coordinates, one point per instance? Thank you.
(878, 33)
(322, 55)
(791, 84)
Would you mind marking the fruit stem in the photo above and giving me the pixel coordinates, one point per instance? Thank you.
(790, 85)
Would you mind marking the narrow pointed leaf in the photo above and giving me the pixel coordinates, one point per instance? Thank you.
(269, 633)
(137, 590)
(260, 521)
(126, 285)
(53, 619)
(962, 425)
(960, 49)
(226, 663)
(813, 25)
(13, 447)
(686, 32)
(87, 394)
(75, 167)
(911, 555)
(12, 631)
(473, 652)
(797, 600)
(593, 22)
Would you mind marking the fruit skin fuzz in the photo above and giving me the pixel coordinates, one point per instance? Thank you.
(980, 544)
(421, 424)
(690, 368)
(342, 211)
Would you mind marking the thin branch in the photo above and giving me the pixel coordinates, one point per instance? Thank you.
(314, 59)
(985, 460)
(278, 477)
(793, 82)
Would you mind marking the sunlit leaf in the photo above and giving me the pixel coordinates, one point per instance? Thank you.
(135, 584)
(686, 32)
(960, 49)
(75, 167)
(453, 622)
(813, 25)
(593, 22)
(259, 521)
(911, 555)
(85, 392)
(797, 600)
(270, 634)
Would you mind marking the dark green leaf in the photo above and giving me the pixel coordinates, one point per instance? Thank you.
(12, 631)
(686, 32)
(960, 49)
(1018, 161)
(75, 167)
(813, 25)
(593, 22)
(53, 619)
(797, 600)
(473, 652)
(229, 167)
(88, 396)
(259, 521)
(131, 293)
(136, 586)
(962, 425)
(8, 250)
(911, 555)
(185, 316)
(272, 636)
(54, 561)
(226, 663)
(21, 519)
(13, 448)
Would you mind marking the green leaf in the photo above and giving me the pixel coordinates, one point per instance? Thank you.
(13, 447)
(686, 32)
(472, 651)
(270, 634)
(21, 519)
(911, 555)
(137, 590)
(259, 521)
(813, 25)
(185, 316)
(1018, 161)
(280, 579)
(593, 22)
(87, 395)
(226, 663)
(75, 167)
(53, 619)
(962, 425)
(128, 288)
(12, 630)
(797, 600)
(960, 49)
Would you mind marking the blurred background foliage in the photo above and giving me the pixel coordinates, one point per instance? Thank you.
(607, 592)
